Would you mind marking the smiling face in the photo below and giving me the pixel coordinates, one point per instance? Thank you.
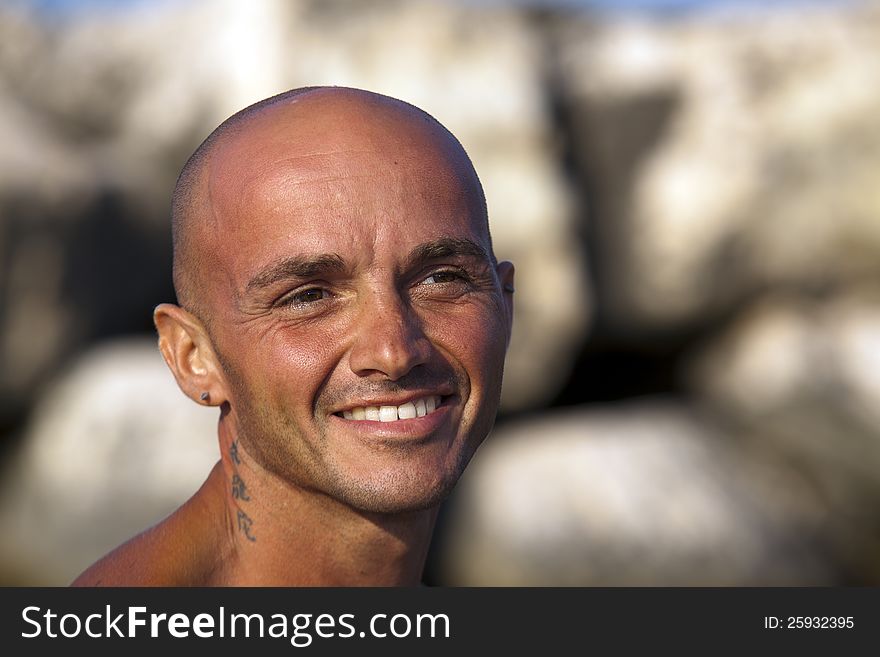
(354, 302)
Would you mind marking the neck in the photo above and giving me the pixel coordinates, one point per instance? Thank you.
(283, 535)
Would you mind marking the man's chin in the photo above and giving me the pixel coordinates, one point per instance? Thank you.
(397, 495)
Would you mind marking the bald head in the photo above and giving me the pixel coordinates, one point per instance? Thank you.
(318, 130)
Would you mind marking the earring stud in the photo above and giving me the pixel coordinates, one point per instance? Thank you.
(204, 396)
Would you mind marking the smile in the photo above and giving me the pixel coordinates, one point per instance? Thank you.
(412, 409)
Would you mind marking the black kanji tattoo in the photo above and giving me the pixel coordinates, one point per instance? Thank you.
(239, 490)
(244, 525)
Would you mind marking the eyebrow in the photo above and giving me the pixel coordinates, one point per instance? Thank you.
(447, 247)
(297, 267)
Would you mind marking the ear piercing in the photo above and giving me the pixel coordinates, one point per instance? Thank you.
(204, 396)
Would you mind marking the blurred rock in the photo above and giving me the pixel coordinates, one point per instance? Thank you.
(800, 374)
(726, 155)
(109, 106)
(786, 351)
(112, 448)
(732, 164)
(641, 494)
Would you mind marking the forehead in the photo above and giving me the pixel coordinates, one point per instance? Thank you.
(367, 193)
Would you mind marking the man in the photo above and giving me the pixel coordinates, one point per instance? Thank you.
(341, 304)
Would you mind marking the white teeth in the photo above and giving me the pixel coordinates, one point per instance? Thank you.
(407, 411)
(387, 413)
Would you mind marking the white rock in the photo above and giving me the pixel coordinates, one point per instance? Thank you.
(786, 352)
(112, 448)
(636, 494)
(766, 172)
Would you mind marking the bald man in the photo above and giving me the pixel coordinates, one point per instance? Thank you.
(340, 303)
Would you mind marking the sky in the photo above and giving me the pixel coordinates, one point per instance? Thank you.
(74, 6)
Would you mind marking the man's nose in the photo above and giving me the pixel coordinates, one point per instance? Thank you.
(389, 340)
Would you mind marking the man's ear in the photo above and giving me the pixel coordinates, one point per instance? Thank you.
(505, 276)
(190, 356)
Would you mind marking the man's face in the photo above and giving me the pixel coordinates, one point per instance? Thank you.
(357, 313)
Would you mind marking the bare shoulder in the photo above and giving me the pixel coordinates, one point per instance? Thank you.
(148, 559)
(185, 549)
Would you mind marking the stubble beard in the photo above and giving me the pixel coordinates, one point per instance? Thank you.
(271, 438)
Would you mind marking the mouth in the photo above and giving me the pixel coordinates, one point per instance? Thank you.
(416, 408)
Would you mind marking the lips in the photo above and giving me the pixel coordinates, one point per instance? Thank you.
(385, 413)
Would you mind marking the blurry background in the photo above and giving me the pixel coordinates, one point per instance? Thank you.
(690, 192)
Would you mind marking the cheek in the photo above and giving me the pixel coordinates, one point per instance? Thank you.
(288, 363)
(477, 341)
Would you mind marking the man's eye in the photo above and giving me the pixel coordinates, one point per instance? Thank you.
(309, 296)
(442, 277)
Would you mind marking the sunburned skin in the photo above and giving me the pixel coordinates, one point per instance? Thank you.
(341, 305)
